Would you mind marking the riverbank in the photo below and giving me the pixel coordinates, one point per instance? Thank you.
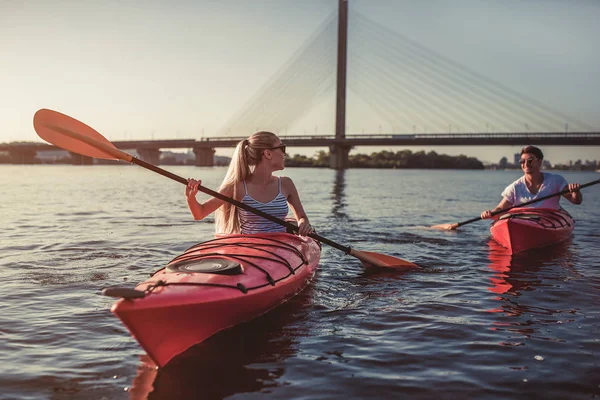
(404, 159)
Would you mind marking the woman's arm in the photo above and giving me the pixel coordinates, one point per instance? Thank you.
(291, 194)
(201, 210)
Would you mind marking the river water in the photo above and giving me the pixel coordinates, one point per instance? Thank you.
(474, 322)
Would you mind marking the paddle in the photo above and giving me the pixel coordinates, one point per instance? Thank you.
(75, 136)
(457, 224)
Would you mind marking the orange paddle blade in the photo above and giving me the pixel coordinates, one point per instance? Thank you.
(446, 227)
(370, 259)
(46, 122)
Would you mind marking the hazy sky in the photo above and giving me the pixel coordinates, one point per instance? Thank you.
(180, 69)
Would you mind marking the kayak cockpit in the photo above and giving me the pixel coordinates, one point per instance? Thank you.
(211, 265)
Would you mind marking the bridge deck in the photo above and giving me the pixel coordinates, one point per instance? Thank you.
(396, 139)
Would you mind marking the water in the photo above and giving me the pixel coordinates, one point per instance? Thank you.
(473, 323)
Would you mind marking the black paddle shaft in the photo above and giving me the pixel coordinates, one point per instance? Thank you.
(238, 204)
(565, 191)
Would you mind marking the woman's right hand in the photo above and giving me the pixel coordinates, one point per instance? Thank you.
(192, 188)
(486, 214)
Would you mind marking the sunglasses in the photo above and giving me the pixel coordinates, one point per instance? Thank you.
(528, 161)
(281, 146)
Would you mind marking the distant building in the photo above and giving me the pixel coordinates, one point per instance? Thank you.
(51, 156)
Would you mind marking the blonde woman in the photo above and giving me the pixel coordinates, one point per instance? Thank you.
(250, 180)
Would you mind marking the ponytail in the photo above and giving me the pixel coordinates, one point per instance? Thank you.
(246, 155)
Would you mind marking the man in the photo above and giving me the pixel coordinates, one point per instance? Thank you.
(535, 184)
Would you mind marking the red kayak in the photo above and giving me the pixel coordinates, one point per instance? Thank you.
(213, 286)
(522, 229)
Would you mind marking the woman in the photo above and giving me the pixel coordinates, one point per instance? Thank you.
(250, 180)
(535, 184)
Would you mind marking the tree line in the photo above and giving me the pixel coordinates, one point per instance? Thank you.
(382, 159)
(390, 159)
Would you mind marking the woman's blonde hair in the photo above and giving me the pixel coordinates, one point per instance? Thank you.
(246, 155)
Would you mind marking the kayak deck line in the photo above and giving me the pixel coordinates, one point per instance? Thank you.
(179, 264)
(241, 236)
(544, 222)
(183, 306)
(524, 229)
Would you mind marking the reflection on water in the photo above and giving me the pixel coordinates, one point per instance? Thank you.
(338, 197)
(517, 277)
(360, 334)
(244, 359)
(515, 273)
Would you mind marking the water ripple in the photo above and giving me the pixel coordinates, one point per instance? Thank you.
(472, 322)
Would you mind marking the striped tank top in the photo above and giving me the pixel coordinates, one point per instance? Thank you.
(252, 223)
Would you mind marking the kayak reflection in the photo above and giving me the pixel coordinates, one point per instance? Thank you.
(515, 273)
(244, 359)
(516, 281)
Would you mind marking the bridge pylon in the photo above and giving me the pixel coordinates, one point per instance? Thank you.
(338, 153)
(338, 156)
(150, 155)
(204, 156)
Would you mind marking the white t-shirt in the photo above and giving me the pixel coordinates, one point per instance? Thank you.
(517, 192)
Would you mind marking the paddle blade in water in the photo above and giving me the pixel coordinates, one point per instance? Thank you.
(446, 227)
(53, 127)
(370, 259)
(125, 293)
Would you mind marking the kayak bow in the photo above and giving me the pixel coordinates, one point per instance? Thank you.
(213, 286)
(522, 229)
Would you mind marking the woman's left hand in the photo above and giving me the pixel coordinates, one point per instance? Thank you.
(574, 187)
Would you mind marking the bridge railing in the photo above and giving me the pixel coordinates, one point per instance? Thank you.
(304, 140)
(288, 137)
(496, 135)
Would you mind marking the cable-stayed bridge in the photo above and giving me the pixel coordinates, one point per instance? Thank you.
(149, 150)
(422, 97)
(411, 88)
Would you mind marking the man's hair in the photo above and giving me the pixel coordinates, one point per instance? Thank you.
(532, 150)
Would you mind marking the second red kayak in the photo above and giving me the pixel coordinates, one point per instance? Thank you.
(213, 286)
(522, 229)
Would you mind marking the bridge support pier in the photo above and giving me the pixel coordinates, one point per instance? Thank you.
(23, 156)
(151, 156)
(78, 159)
(204, 156)
(338, 156)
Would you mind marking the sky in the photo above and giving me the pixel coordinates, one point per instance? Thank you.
(183, 68)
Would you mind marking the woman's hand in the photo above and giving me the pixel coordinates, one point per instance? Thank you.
(191, 190)
(305, 228)
(486, 214)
